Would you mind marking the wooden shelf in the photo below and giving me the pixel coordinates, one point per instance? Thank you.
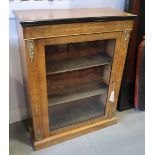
(77, 112)
(77, 93)
(76, 64)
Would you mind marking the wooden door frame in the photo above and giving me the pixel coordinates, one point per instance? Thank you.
(40, 49)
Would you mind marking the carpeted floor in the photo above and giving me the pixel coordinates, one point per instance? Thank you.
(127, 137)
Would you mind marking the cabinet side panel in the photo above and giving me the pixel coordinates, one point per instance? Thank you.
(30, 77)
(23, 64)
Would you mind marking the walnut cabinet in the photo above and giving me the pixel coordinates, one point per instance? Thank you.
(72, 63)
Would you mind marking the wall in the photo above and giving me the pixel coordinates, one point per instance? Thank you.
(18, 110)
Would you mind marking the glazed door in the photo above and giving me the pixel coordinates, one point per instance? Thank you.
(79, 79)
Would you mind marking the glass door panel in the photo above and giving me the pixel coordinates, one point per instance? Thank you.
(77, 81)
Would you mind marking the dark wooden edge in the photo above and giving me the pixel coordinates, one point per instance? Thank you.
(123, 108)
(76, 20)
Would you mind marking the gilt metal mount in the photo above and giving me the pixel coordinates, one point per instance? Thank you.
(126, 36)
(38, 135)
(30, 46)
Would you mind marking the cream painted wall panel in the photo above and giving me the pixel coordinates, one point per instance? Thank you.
(17, 103)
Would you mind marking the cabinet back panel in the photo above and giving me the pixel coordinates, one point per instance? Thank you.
(61, 83)
(80, 49)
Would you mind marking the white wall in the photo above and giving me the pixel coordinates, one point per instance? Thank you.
(18, 110)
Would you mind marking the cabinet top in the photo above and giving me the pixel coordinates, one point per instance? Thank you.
(62, 16)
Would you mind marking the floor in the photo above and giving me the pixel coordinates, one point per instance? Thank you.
(127, 137)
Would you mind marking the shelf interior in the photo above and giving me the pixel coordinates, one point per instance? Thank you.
(77, 93)
(76, 112)
(77, 77)
(72, 64)
(78, 84)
